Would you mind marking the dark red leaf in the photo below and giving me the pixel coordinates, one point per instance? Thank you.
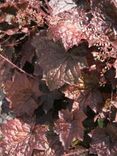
(92, 98)
(104, 141)
(19, 138)
(59, 67)
(70, 125)
(22, 92)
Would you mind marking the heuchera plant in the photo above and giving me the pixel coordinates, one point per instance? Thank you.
(58, 77)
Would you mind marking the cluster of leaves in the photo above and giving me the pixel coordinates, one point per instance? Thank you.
(58, 77)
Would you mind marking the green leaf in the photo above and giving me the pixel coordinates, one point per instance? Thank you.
(101, 123)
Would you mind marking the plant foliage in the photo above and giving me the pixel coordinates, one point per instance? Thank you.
(58, 77)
